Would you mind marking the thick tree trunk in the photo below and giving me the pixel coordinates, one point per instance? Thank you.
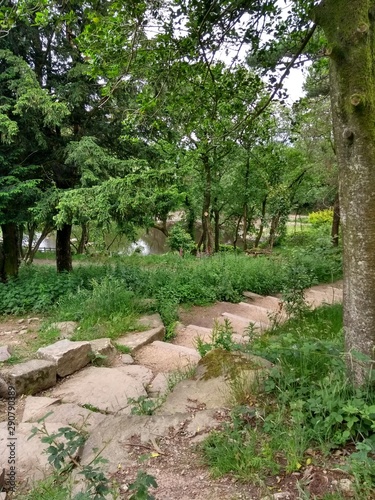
(350, 30)
(190, 218)
(335, 222)
(275, 221)
(63, 251)
(10, 251)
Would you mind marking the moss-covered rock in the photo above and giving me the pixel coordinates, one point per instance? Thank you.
(230, 364)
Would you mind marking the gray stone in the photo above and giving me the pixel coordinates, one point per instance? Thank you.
(30, 377)
(139, 339)
(151, 321)
(346, 486)
(4, 353)
(140, 373)
(31, 320)
(127, 359)
(70, 414)
(104, 347)
(37, 407)
(23, 331)
(116, 432)
(106, 389)
(68, 356)
(159, 386)
(32, 461)
(3, 388)
(66, 328)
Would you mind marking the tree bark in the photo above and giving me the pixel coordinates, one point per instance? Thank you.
(84, 238)
(350, 30)
(10, 261)
(261, 227)
(63, 251)
(217, 229)
(335, 222)
(206, 239)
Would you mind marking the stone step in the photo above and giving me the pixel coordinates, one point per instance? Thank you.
(188, 335)
(255, 313)
(266, 301)
(241, 324)
(165, 357)
(317, 298)
(137, 340)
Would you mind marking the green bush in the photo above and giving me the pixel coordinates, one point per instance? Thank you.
(321, 217)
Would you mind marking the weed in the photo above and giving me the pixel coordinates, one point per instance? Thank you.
(144, 405)
(124, 349)
(141, 486)
(222, 337)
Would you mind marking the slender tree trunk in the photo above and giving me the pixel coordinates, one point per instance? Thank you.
(63, 251)
(245, 223)
(206, 239)
(351, 44)
(261, 227)
(10, 251)
(217, 229)
(30, 254)
(336, 222)
(84, 239)
(273, 230)
(237, 231)
(20, 240)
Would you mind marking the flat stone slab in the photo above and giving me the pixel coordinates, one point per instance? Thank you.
(137, 340)
(151, 321)
(103, 347)
(165, 357)
(30, 377)
(36, 407)
(241, 324)
(159, 385)
(115, 433)
(196, 394)
(70, 414)
(31, 459)
(4, 353)
(187, 336)
(104, 389)
(68, 356)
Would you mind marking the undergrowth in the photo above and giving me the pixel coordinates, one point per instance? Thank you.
(309, 405)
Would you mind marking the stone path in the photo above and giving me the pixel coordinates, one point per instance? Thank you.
(77, 393)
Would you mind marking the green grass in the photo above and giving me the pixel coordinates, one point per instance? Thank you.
(306, 402)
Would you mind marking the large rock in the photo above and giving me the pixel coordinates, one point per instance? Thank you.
(165, 357)
(31, 459)
(4, 353)
(68, 356)
(105, 389)
(37, 406)
(103, 350)
(30, 377)
(154, 330)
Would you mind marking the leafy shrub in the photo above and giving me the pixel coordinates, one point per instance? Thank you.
(321, 217)
(179, 239)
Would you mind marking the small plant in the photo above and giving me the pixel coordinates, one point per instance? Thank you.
(222, 337)
(98, 359)
(64, 450)
(124, 349)
(141, 486)
(144, 405)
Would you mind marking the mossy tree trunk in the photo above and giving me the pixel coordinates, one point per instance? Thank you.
(336, 222)
(350, 30)
(63, 251)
